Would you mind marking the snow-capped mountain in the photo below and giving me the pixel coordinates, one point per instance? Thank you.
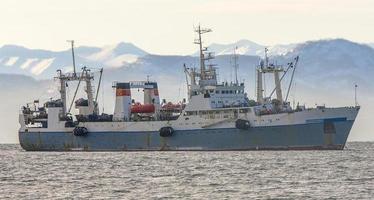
(371, 45)
(344, 60)
(246, 47)
(117, 55)
(243, 47)
(43, 63)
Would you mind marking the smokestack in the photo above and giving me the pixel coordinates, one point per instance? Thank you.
(151, 96)
(155, 98)
(122, 108)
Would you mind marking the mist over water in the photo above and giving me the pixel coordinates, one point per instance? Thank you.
(347, 174)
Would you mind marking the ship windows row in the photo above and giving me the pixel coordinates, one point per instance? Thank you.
(242, 110)
(227, 91)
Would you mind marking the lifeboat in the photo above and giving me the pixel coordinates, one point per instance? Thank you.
(142, 108)
(172, 107)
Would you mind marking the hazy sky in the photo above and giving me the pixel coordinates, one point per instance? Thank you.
(165, 26)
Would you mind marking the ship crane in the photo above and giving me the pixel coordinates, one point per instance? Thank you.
(86, 76)
(269, 68)
(290, 65)
(190, 74)
(266, 67)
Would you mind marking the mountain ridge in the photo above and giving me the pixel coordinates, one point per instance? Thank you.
(42, 64)
(327, 72)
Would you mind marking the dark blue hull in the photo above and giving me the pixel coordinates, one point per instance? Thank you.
(299, 137)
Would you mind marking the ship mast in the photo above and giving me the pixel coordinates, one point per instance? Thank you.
(202, 49)
(72, 54)
(269, 68)
(236, 66)
(356, 103)
(207, 75)
(84, 76)
(62, 78)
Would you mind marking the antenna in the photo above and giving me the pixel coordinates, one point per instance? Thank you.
(356, 104)
(231, 71)
(266, 57)
(72, 53)
(236, 66)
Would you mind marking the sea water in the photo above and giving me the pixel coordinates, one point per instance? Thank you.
(347, 174)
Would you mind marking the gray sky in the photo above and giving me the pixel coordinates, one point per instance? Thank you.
(165, 26)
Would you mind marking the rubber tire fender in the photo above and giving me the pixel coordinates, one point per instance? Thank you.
(166, 131)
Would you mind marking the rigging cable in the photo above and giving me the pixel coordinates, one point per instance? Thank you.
(76, 91)
(290, 65)
(293, 73)
(102, 95)
(98, 87)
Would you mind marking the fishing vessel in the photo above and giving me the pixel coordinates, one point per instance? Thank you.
(216, 116)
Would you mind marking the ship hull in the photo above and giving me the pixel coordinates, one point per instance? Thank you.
(309, 136)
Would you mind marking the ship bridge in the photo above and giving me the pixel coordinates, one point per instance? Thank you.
(204, 91)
